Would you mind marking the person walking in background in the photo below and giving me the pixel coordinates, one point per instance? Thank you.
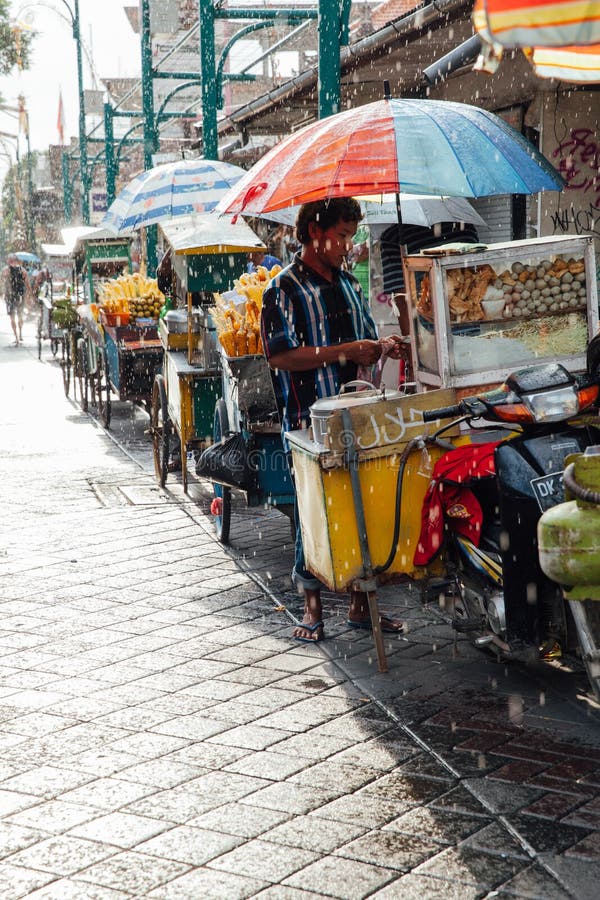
(15, 284)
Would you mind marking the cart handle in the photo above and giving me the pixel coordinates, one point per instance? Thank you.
(358, 381)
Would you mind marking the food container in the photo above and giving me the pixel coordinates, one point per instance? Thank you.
(207, 343)
(322, 410)
(477, 317)
(114, 320)
(176, 321)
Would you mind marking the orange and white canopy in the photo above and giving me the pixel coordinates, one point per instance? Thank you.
(561, 38)
(543, 23)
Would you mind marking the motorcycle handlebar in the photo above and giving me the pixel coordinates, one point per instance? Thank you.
(444, 412)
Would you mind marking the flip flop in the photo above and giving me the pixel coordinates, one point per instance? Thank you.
(366, 625)
(311, 629)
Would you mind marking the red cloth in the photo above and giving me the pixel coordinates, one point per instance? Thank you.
(449, 499)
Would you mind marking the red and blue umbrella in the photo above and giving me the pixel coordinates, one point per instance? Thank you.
(392, 146)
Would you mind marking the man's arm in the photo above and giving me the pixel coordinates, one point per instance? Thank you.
(302, 359)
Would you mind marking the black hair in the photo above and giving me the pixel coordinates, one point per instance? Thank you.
(326, 213)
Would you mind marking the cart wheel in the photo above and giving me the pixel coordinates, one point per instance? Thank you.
(66, 366)
(103, 389)
(221, 505)
(160, 428)
(81, 370)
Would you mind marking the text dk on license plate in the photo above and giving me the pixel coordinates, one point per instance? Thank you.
(548, 490)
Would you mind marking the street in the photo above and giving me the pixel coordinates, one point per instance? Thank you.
(163, 737)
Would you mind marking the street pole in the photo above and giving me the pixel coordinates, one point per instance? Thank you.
(150, 142)
(83, 160)
(30, 222)
(210, 140)
(67, 188)
(109, 143)
(329, 30)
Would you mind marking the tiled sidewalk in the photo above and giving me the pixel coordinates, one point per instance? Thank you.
(161, 736)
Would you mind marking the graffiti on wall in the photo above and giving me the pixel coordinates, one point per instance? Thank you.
(577, 158)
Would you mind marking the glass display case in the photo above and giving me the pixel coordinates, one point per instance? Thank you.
(476, 316)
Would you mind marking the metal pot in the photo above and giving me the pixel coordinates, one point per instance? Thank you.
(322, 410)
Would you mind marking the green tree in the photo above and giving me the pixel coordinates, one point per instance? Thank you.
(15, 43)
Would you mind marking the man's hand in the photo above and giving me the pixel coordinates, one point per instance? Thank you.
(364, 353)
(394, 345)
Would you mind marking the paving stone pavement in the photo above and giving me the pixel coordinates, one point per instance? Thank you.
(162, 737)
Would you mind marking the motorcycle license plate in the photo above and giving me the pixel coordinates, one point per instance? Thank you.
(548, 489)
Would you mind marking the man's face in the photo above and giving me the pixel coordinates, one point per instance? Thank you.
(331, 245)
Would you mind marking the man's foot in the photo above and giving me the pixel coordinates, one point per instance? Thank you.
(310, 628)
(359, 615)
(390, 626)
(309, 632)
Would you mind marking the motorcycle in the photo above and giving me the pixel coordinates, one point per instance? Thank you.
(494, 586)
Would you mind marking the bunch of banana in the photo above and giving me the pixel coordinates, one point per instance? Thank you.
(134, 294)
(238, 328)
(252, 284)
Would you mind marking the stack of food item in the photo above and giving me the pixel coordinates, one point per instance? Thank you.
(238, 323)
(476, 293)
(130, 297)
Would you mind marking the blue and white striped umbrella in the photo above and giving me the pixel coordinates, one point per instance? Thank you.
(171, 190)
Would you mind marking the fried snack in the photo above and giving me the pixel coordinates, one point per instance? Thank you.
(466, 289)
(506, 278)
(238, 328)
(424, 307)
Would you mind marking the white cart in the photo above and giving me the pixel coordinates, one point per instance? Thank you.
(475, 317)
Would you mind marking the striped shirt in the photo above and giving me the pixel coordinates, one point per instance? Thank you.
(303, 309)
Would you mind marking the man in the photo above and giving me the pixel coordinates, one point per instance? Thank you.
(14, 284)
(317, 330)
(258, 258)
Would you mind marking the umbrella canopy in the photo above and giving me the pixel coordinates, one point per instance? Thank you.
(557, 38)
(171, 190)
(209, 234)
(389, 146)
(421, 210)
(27, 257)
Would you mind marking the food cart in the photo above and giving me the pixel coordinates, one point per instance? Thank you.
(248, 409)
(206, 253)
(57, 317)
(476, 316)
(118, 353)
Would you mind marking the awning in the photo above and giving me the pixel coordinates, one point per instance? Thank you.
(543, 23)
(55, 250)
(505, 24)
(210, 234)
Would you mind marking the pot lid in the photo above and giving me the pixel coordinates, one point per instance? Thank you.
(347, 400)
